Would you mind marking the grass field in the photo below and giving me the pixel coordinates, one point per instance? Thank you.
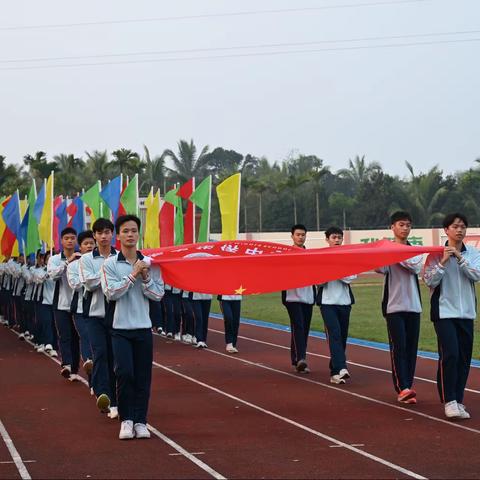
(366, 321)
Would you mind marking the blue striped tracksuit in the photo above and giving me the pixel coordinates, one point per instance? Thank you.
(401, 307)
(335, 300)
(453, 309)
(128, 312)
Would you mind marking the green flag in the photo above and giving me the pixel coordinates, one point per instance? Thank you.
(95, 202)
(201, 198)
(129, 198)
(171, 197)
(33, 240)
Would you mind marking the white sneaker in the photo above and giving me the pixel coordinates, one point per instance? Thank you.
(169, 335)
(187, 338)
(126, 430)
(91, 391)
(337, 380)
(40, 348)
(201, 345)
(53, 353)
(141, 430)
(177, 337)
(452, 410)
(21, 336)
(463, 412)
(66, 371)
(48, 348)
(230, 348)
(113, 413)
(162, 332)
(194, 340)
(344, 373)
(74, 377)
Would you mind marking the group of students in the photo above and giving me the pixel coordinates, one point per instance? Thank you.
(450, 276)
(100, 305)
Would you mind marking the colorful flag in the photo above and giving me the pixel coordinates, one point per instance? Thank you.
(39, 202)
(93, 199)
(152, 221)
(167, 224)
(201, 198)
(76, 212)
(129, 198)
(111, 195)
(172, 198)
(45, 226)
(57, 203)
(12, 239)
(2, 227)
(228, 193)
(32, 242)
(189, 223)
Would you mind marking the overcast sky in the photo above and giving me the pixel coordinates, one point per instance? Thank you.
(418, 103)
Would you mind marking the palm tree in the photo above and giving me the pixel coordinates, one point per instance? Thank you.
(9, 177)
(359, 170)
(294, 179)
(428, 193)
(154, 174)
(186, 163)
(98, 167)
(260, 186)
(70, 173)
(317, 172)
(127, 162)
(38, 165)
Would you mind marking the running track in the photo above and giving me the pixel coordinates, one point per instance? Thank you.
(249, 415)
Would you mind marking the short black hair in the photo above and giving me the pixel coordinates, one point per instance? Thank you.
(83, 235)
(68, 231)
(400, 215)
(333, 230)
(450, 218)
(101, 224)
(124, 219)
(299, 226)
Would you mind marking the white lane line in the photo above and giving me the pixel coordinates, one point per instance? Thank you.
(188, 455)
(362, 365)
(330, 439)
(450, 423)
(17, 459)
(156, 432)
(25, 461)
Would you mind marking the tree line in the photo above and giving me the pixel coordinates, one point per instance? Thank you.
(302, 188)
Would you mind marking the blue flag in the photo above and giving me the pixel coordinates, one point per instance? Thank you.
(78, 219)
(111, 194)
(11, 217)
(61, 214)
(39, 202)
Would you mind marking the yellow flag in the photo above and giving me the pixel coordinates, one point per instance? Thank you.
(228, 193)
(45, 227)
(151, 238)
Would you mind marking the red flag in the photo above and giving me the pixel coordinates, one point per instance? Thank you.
(56, 234)
(188, 226)
(72, 211)
(167, 224)
(247, 267)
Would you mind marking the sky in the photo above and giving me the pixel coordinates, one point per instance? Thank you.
(327, 88)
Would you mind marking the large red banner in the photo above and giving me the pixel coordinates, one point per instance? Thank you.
(250, 267)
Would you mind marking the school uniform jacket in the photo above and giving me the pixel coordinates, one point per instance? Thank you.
(401, 289)
(452, 286)
(57, 271)
(127, 296)
(75, 284)
(94, 302)
(337, 292)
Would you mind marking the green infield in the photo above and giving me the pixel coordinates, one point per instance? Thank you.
(366, 321)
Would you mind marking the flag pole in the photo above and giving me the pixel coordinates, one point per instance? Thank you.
(51, 214)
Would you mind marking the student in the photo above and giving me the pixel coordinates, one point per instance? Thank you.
(128, 282)
(188, 317)
(299, 304)
(18, 299)
(335, 300)
(62, 299)
(45, 293)
(86, 243)
(401, 307)
(230, 305)
(99, 330)
(201, 304)
(451, 277)
(28, 303)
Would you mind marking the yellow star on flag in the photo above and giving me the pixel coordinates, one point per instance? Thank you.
(240, 290)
